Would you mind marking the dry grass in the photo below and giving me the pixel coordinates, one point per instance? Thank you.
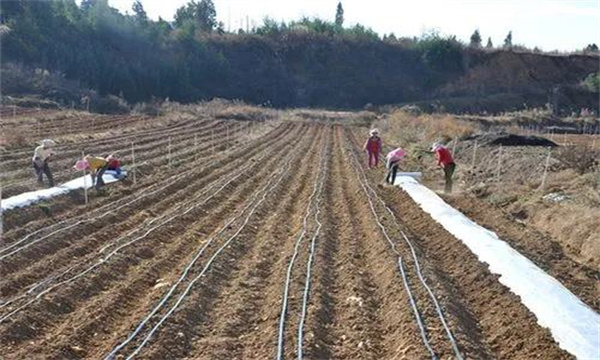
(229, 110)
(576, 227)
(403, 128)
(362, 118)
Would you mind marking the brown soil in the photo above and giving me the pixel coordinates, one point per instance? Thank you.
(232, 219)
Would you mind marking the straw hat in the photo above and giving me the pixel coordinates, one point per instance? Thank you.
(47, 142)
(435, 146)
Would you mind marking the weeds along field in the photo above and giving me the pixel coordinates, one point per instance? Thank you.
(252, 233)
(551, 188)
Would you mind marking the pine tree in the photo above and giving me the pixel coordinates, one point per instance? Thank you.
(593, 48)
(489, 44)
(86, 5)
(206, 15)
(475, 39)
(139, 12)
(508, 41)
(339, 15)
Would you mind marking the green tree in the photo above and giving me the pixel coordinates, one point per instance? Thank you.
(475, 39)
(203, 14)
(593, 48)
(489, 44)
(86, 5)
(139, 12)
(206, 15)
(592, 82)
(339, 15)
(508, 41)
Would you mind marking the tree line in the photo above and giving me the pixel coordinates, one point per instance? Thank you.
(308, 62)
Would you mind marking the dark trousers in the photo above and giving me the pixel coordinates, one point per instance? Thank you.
(97, 177)
(448, 172)
(391, 175)
(42, 168)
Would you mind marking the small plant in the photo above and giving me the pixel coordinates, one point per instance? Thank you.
(46, 209)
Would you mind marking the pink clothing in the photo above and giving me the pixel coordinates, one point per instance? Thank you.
(395, 155)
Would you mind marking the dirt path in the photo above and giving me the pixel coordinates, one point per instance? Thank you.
(282, 244)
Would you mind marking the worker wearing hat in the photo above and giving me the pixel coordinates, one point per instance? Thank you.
(446, 162)
(373, 148)
(393, 160)
(41, 157)
(97, 166)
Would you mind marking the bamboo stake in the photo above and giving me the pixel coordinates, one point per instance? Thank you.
(133, 163)
(85, 192)
(196, 146)
(474, 155)
(499, 164)
(212, 140)
(454, 147)
(169, 151)
(543, 185)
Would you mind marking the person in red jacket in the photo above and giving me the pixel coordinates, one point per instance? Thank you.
(445, 160)
(373, 148)
(114, 164)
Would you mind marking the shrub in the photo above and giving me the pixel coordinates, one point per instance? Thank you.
(592, 82)
(108, 105)
(580, 159)
(148, 108)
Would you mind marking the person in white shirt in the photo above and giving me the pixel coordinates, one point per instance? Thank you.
(41, 156)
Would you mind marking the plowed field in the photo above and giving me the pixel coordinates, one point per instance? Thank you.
(278, 243)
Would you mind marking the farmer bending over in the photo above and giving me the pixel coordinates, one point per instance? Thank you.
(114, 164)
(445, 160)
(393, 158)
(97, 167)
(41, 156)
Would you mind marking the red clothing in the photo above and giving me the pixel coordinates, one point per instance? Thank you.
(373, 144)
(443, 156)
(373, 159)
(114, 164)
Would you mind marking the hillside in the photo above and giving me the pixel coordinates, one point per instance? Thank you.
(305, 63)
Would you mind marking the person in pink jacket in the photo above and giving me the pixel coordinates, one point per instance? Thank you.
(373, 148)
(393, 160)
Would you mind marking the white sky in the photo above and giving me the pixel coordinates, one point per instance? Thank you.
(548, 24)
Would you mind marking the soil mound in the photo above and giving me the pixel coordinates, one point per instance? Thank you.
(505, 139)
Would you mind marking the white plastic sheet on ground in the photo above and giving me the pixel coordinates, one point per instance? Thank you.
(574, 325)
(32, 197)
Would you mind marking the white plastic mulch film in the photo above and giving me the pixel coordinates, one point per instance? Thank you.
(573, 324)
(32, 197)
